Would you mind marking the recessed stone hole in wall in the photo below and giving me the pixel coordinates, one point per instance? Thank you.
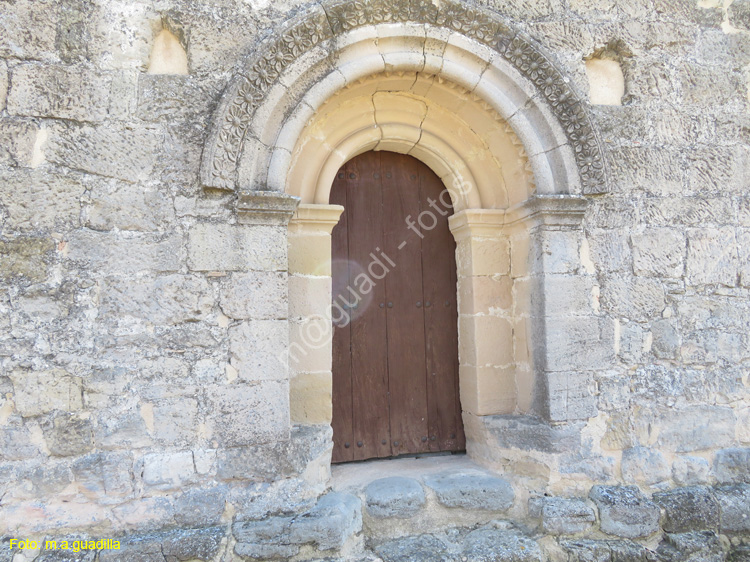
(168, 56)
(605, 69)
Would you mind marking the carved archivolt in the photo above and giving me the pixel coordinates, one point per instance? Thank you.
(329, 20)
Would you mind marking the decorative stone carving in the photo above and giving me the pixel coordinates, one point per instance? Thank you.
(280, 49)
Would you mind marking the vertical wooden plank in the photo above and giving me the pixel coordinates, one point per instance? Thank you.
(441, 316)
(406, 355)
(342, 357)
(371, 424)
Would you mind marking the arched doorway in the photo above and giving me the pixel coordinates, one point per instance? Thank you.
(395, 341)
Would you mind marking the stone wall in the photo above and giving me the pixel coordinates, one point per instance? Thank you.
(141, 323)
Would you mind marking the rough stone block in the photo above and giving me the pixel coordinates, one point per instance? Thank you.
(143, 514)
(532, 434)
(666, 340)
(28, 29)
(128, 207)
(690, 471)
(692, 428)
(18, 144)
(696, 212)
(499, 545)
(658, 252)
(732, 466)
(634, 298)
(59, 92)
(176, 421)
(697, 546)
(712, 257)
(555, 251)
(224, 247)
(625, 512)
(3, 83)
(471, 490)
(259, 295)
(739, 14)
(563, 516)
(38, 199)
(68, 434)
(569, 396)
(688, 509)
(258, 349)
(41, 392)
(200, 508)
(734, 506)
(577, 343)
(112, 151)
(394, 497)
(643, 465)
(26, 258)
(171, 97)
(606, 551)
(121, 429)
(104, 474)
(335, 518)
(168, 471)
(249, 414)
(166, 300)
(421, 548)
(610, 250)
(111, 252)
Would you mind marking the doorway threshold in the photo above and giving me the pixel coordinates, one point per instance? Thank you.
(355, 476)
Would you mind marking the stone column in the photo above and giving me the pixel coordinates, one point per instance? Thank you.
(310, 328)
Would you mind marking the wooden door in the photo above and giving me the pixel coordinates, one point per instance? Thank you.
(395, 340)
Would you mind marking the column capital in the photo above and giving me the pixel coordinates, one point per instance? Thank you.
(310, 217)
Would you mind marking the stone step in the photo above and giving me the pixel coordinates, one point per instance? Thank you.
(397, 506)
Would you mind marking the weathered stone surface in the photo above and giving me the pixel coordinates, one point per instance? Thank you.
(563, 516)
(171, 546)
(258, 350)
(734, 507)
(28, 29)
(257, 295)
(18, 139)
(471, 490)
(113, 151)
(250, 414)
(569, 396)
(36, 199)
(328, 525)
(643, 465)
(144, 514)
(688, 509)
(68, 434)
(658, 252)
(739, 14)
(222, 247)
(103, 474)
(3, 83)
(422, 548)
(732, 466)
(712, 257)
(700, 546)
(635, 298)
(605, 551)
(690, 471)
(40, 392)
(499, 545)
(666, 339)
(531, 434)
(128, 207)
(169, 299)
(693, 428)
(113, 252)
(198, 508)
(395, 496)
(25, 258)
(625, 512)
(58, 91)
(168, 471)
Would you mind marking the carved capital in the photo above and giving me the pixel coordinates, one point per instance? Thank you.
(265, 207)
